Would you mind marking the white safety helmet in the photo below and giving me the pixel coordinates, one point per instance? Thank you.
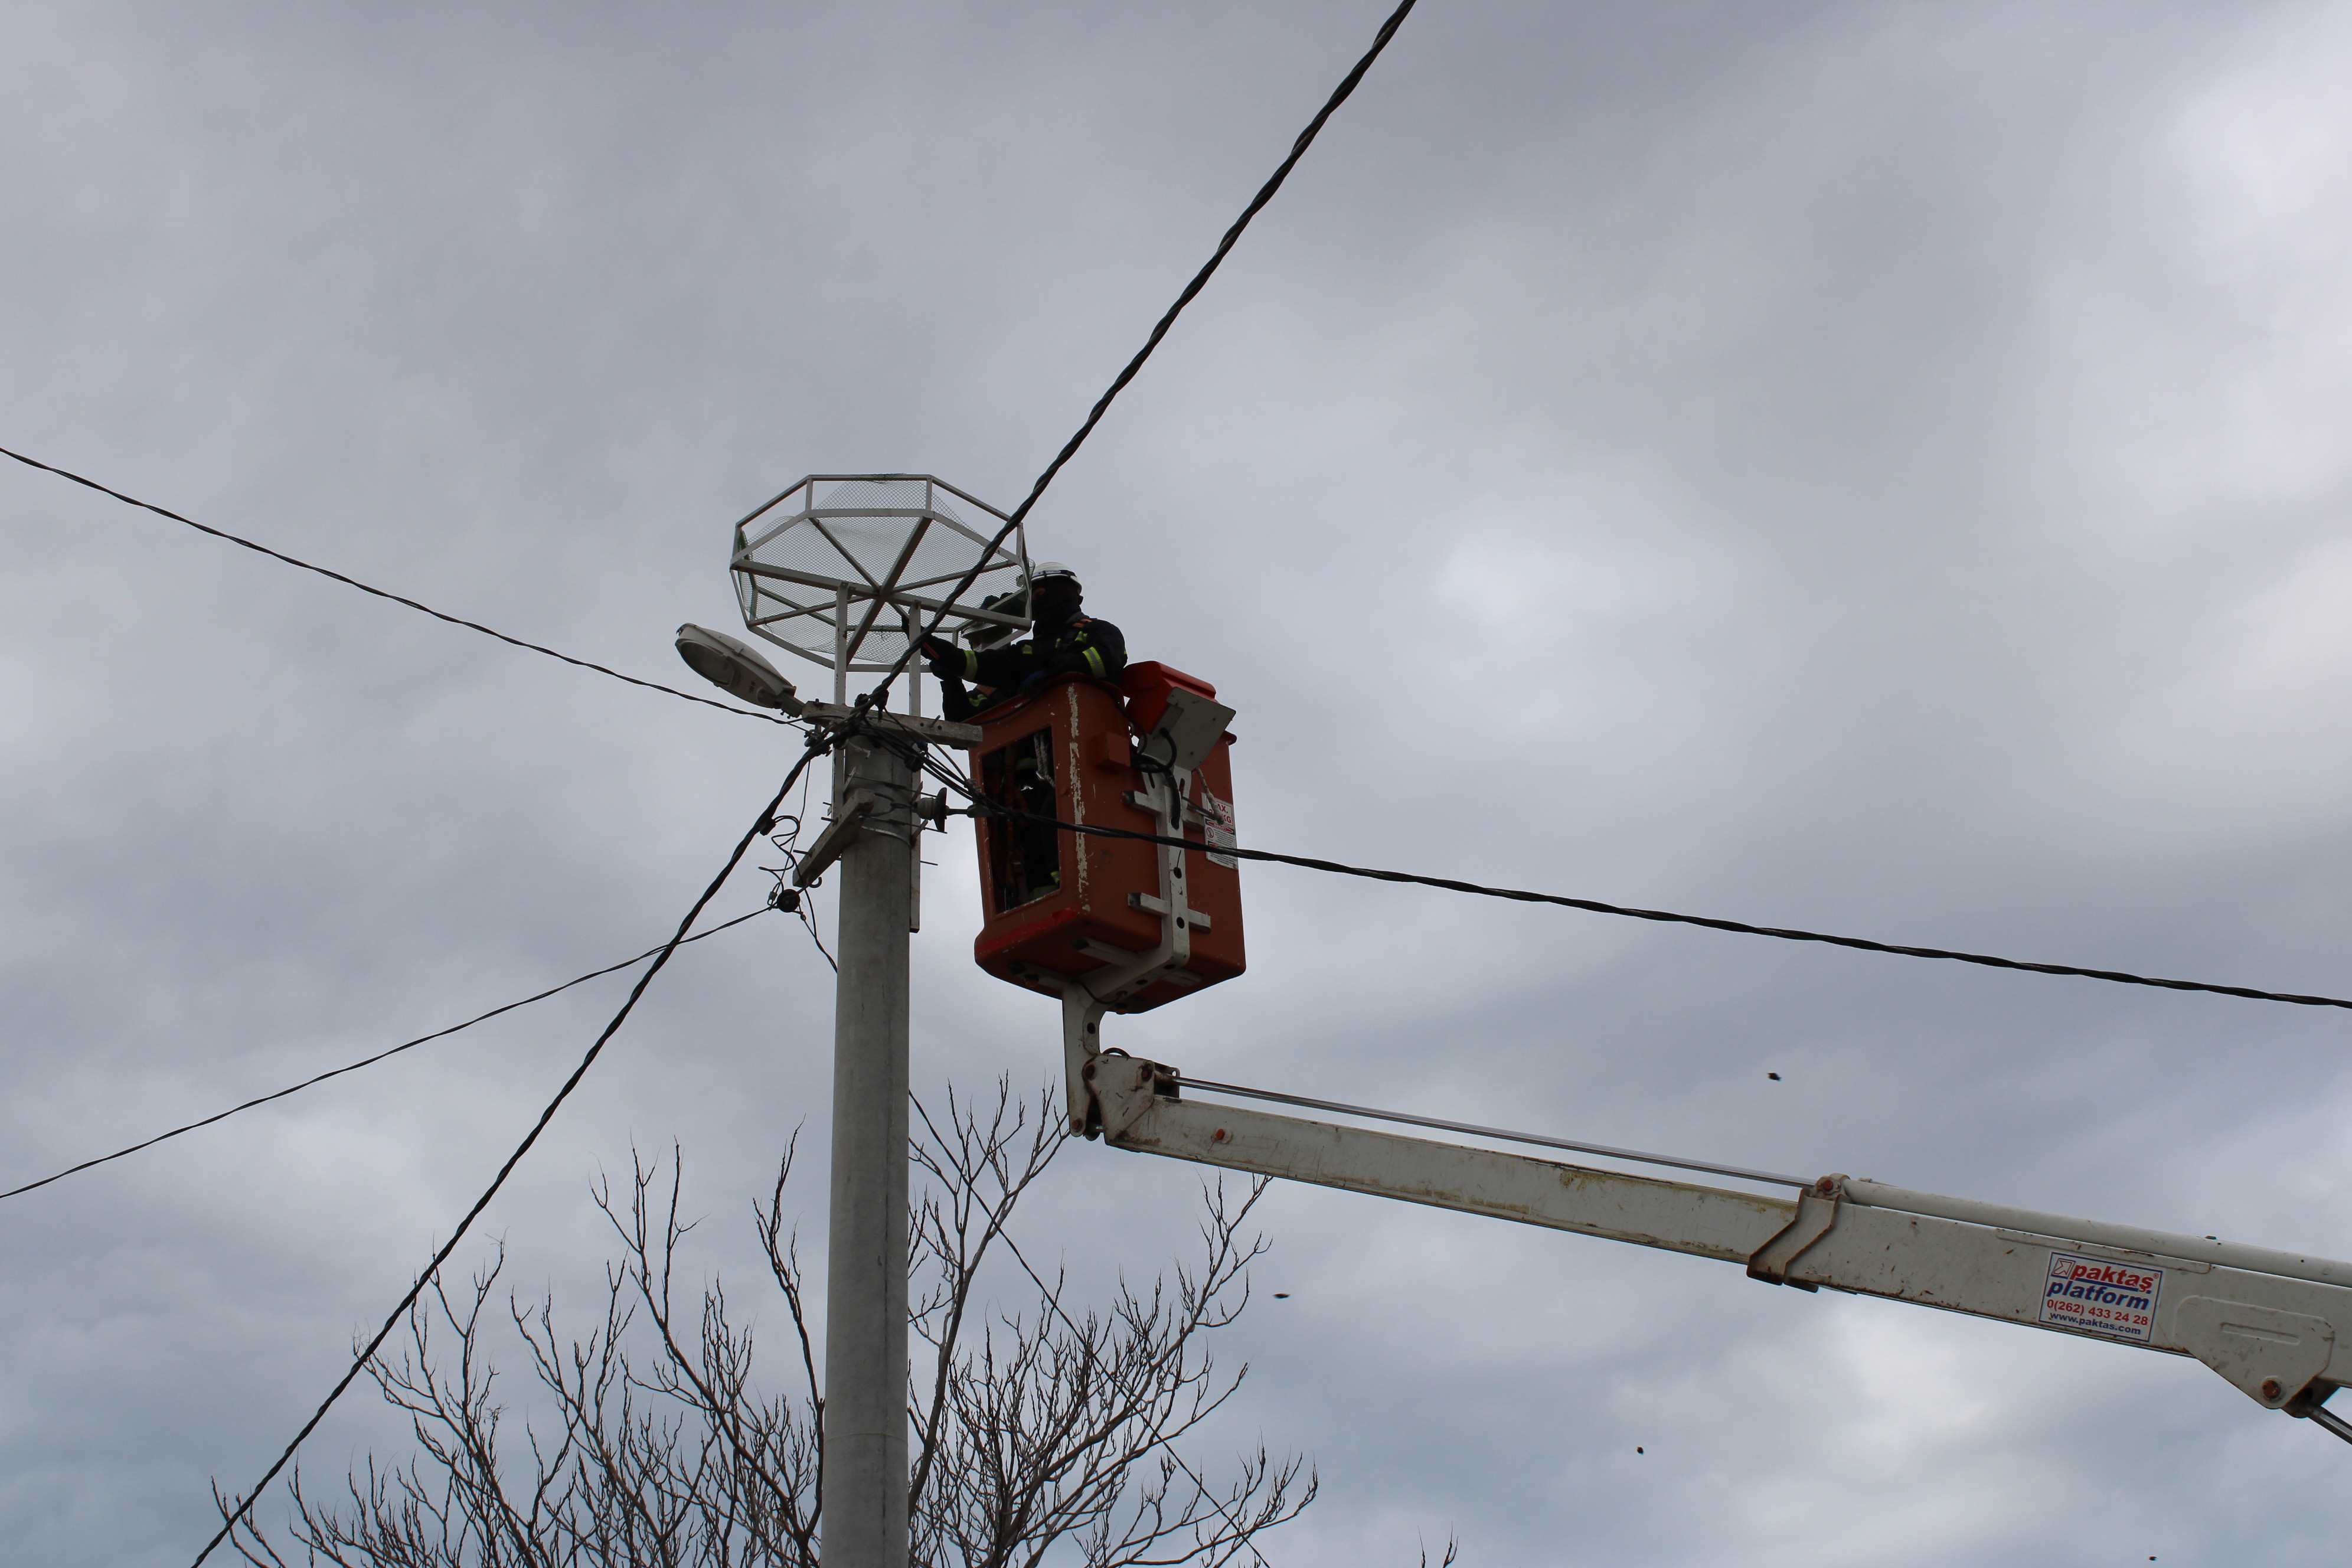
(1053, 572)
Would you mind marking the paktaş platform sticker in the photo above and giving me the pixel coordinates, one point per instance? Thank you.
(2098, 1295)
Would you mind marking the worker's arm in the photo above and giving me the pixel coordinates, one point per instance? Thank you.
(1087, 646)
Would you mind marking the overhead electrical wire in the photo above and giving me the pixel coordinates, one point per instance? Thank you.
(982, 805)
(369, 1061)
(880, 696)
(383, 594)
(808, 920)
(764, 823)
(879, 699)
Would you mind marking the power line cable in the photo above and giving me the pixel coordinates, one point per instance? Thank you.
(808, 919)
(764, 823)
(982, 805)
(369, 1061)
(381, 594)
(784, 895)
(880, 696)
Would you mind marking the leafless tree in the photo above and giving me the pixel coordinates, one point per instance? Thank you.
(1044, 1428)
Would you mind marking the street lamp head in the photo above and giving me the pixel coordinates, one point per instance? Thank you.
(734, 667)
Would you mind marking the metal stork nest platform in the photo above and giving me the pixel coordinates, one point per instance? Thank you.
(846, 570)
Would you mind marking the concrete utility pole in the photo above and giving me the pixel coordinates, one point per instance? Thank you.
(866, 1255)
(843, 569)
(872, 841)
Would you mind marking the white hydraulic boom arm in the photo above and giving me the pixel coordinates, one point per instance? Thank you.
(2266, 1320)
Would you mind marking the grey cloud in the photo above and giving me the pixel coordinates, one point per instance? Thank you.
(1872, 467)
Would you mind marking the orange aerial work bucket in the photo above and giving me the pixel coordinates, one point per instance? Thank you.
(1061, 906)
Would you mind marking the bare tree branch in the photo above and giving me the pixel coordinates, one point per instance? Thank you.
(1037, 1428)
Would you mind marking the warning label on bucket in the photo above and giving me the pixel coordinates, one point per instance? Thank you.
(1218, 830)
(2099, 1296)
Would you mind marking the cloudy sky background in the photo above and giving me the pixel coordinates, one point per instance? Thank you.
(1875, 468)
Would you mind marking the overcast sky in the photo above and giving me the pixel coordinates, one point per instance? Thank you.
(1875, 468)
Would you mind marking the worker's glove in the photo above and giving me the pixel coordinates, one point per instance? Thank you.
(945, 658)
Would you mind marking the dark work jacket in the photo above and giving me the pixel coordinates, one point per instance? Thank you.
(1079, 646)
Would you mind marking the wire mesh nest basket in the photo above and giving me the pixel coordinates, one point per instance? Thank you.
(846, 570)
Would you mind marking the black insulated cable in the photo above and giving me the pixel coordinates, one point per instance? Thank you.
(381, 593)
(880, 696)
(1863, 944)
(765, 822)
(369, 1061)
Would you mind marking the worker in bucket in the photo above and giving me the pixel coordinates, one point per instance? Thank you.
(1060, 641)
